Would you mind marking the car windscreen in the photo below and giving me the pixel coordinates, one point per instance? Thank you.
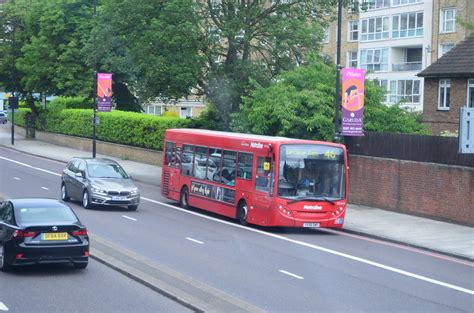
(43, 215)
(96, 170)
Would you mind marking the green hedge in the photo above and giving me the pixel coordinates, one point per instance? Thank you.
(128, 128)
(19, 116)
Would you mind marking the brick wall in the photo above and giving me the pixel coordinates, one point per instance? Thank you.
(437, 120)
(426, 189)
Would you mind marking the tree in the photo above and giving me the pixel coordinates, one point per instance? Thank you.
(152, 47)
(300, 103)
(256, 40)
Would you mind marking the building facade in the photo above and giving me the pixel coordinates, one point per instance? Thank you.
(393, 40)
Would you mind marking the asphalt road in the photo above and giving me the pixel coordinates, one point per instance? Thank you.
(278, 270)
(48, 288)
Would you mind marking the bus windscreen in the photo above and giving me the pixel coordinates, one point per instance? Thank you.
(311, 172)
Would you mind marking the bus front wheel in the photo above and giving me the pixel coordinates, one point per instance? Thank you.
(242, 212)
(184, 198)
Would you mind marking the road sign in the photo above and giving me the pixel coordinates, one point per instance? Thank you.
(466, 130)
(13, 103)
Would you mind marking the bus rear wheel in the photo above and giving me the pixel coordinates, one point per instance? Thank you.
(242, 213)
(184, 198)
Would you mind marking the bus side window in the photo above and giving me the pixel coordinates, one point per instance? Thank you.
(245, 166)
(228, 167)
(262, 180)
(187, 160)
(169, 153)
(200, 161)
(214, 165)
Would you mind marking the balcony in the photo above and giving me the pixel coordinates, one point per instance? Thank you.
(406, 66)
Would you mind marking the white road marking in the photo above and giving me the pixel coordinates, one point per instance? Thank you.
(308, 245)
(27, 165)
(194, 240)
(45, 188)
(3, 307)
(130, 218)
(290, 274)
(301, 243)
(16, 178)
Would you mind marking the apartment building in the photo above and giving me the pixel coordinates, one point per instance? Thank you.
(395, 39)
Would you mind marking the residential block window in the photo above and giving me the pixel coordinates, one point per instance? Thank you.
(374, 59)
(376, 28)
(404, 2)
(375, 4)
(326, 35)
(406, 90)
(383, 83)
(352, 59)
(407, 25)
(470, 93)
(444, 93)
(443, 48)
(353, 31)
(448, 20)
(185, 112)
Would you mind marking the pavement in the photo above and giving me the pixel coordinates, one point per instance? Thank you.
(432, 235)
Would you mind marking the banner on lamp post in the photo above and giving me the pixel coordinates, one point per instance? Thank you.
(353, 102)
(104, 92)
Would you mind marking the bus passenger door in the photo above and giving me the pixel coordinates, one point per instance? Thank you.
(175, 172)
(261, 198)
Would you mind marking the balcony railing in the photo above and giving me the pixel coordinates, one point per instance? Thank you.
(407, 66)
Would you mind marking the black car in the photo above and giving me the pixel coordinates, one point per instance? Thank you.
(34, 231)
(98, 182)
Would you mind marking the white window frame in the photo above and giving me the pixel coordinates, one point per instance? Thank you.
(350, 59)
(185, 110)
(371, 54)
(396, 95)
(470, 88)
(443, 104)
(408, 32)
(396, 3)
(376, 4)
(351, 31)
(384, 84)
(444, 22)
(441, 48)
(374, 35)
(326, 34)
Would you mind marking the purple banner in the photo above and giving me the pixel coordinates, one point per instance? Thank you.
(104, 92)
(353, 102)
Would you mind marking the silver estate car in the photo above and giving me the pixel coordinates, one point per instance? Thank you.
(98, 182)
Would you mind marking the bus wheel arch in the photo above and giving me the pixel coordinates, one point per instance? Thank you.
(242, 213)
(184, 197)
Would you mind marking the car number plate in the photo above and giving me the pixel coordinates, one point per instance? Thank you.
(311, 225)
(55, 236)
(119, 198)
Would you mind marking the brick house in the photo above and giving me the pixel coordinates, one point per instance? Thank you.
(449, 85)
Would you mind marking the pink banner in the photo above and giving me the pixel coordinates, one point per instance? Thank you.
(353, 102)
(104, 92)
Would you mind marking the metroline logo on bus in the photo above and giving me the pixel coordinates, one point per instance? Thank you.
(353, 102)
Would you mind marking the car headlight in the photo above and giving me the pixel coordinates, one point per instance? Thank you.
(96, 189)
(134, 191)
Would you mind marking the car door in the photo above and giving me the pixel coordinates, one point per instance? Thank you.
(77, 181)
(6, 219)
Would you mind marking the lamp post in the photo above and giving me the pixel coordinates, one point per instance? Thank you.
(94, 118)
(338, 73)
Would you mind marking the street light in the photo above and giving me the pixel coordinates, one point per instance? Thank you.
(338, 73)
(94, 119)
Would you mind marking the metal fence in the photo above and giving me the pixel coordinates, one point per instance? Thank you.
(435, 149)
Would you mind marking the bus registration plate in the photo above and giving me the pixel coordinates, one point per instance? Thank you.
(310, 224)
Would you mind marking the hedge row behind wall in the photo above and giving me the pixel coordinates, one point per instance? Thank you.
(128, 128)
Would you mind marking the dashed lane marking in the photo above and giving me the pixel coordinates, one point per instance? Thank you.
(130, 218)
(290, 274)
(194, 240)
(3, 307)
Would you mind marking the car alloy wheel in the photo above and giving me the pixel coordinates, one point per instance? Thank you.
(64, 195)
(85, 200)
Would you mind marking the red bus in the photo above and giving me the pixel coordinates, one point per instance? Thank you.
(262, 180)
